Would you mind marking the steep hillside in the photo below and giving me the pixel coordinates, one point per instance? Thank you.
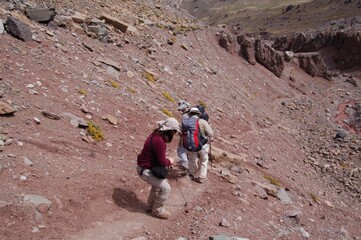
(286, 160)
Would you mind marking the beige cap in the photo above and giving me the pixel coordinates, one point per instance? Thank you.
(195, 110)
(168, 124)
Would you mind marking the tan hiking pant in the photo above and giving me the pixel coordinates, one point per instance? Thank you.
(159, 191)
(198, 162)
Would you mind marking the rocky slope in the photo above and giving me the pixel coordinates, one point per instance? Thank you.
(286, 154)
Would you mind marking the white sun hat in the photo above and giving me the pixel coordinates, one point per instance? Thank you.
(168, 124)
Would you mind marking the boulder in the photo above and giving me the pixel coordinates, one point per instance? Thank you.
(43, 15)
(225, 41)
(2, 29)
(122, 26)
(19, 29)
(247, 49)
(312, 64)
(269, 58)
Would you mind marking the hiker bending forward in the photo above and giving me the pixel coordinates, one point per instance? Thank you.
(154, 151)
(197, 167)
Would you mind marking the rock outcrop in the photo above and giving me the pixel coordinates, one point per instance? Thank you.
(269, 58)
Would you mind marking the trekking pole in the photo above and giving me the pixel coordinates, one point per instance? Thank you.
(210, 152)
(180, 189)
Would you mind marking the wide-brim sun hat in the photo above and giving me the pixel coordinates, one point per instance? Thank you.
(183, 105)
(168, 125)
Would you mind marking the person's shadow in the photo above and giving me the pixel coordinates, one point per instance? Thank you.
(128, 200)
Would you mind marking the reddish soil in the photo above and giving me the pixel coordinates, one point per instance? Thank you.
(266, 129)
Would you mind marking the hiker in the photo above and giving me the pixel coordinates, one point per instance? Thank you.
(203, 115)
(183, 107)
(196, 134)
(154, 154)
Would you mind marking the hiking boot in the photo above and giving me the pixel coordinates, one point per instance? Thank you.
(192, 177)
(163, 215)
(201, 180)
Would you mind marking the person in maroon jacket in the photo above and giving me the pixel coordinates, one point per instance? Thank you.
(155, 145)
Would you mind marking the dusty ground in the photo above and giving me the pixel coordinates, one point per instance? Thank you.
(272, 126)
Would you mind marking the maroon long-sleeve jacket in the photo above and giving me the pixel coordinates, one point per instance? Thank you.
(159, 150)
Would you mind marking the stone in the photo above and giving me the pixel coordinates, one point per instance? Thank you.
(247, 49)
(270, 189)
(43, 207)
(224, 223)
(75, 120)
(4, 204)
(19, 29)
(79, 18)
(113, 120)
(130, 74)
(109, 62)
(304, 233)
(292, 213)
(6, 109)
(283, 196)
(269, 58)
(122, 26)
(27, 161)
(112, 72)
(61, 47)
(2, 29)
(36, 200)
(41, 14)
(340, 134)
(37, 120)
(50, 115)
(225, 41)
(261, 192)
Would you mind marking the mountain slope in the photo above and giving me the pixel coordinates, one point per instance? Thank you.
(276, 17)
(267, 129)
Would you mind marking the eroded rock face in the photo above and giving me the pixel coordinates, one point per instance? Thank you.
(269, 58)
(347, 45)
(312, 63)
(225, 41)
(247, 49)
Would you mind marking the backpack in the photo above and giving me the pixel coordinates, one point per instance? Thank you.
(204, 115)
(192, 138)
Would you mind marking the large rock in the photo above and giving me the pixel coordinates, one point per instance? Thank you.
(225, 41)
(1, 26)
(269, 58)
(122, 26)
(312, 63)
(19, 29)
(41, 14)
(247, 49)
